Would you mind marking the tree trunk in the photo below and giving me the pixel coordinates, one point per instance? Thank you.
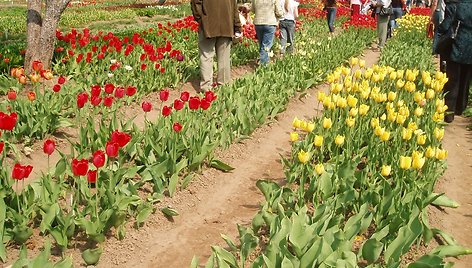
(41, 34)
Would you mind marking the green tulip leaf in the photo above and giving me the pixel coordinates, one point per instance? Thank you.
(169, 212)
(371, 250)
(215, 163)
(92, 256)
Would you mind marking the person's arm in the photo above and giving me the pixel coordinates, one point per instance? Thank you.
(295, 10)
(434, 5)
(236, 21)
(197, 9)
(448, 17)
(279, 13)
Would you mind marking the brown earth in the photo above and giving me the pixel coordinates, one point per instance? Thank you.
(215, 202)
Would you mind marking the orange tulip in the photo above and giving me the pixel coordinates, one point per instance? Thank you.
(31, 95)
(35, 78)
(22, 79)
(37, 65)
(13, 71)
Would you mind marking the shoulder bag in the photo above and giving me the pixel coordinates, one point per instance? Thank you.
(447, 39)
(386, 11)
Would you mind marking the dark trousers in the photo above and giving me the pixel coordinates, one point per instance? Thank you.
(457, 87)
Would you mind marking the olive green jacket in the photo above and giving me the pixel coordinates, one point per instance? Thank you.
(217, 18)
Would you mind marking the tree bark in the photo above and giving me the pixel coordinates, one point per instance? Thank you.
(41, 34)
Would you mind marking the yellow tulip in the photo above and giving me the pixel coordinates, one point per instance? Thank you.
(318, 140)
(378, 131)
(391, 96)
(294, 136)
(358, 74)
(393, 75)
(354, 61)
(336, 88)
(321, 96)
(421, 139)
(401, 119)
(363, 109)
(418, 111)
(400, 83)
(429, 94)
(438, 117)
(327, 123)
(296, 123)
(383, 117)
(430, 152)
(319, 169)
(392, 116)
(438, 133)
(341, 102)
(350, 121)
(303, 156)
(353, 112)
(400, 73)
(339, 140)
(361, 63)
(368, 73)
(303, 124)
(405, 162)
(385, 136)
(345, 71)
(407, 133)
(351, 101)
(374, 122)
(310, 127)
(385, 171)
(418, 160)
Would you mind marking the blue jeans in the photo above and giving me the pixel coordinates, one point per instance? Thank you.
(331, 15)
(397, 14)
(265, 36)
(287, 35)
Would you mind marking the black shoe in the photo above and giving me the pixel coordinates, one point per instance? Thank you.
(449, 118)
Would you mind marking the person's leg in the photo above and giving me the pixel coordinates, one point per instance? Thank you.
(223, 48)
(382, 25)
(206, 49)
(464, 85)
(267, 37)
(291, 37)
(451, 89)
(260, 34)
(283, 27)
(331, 18)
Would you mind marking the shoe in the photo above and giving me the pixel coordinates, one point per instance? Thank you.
(449, 118)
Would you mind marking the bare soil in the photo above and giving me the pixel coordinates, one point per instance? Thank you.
(215, 202)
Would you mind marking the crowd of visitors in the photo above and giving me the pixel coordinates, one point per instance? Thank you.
(221, 23)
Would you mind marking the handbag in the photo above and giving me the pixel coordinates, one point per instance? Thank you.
(386, 11)
(447, 39)
(430, 30)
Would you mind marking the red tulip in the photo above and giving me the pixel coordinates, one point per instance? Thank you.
(49, 147)
(8, 122)
(194, 103)
(98, 159)
(92, 176)
(82, 98)
(11, 95)
(119, 92)
(37, 65)
(178, 104)
(164, 95)
(95, 101)
(96, 90)
(20, 172)
(108, 101)
(79, 167)
(130, 91)
(177, 127)
(205, 104)
(120, 137)
(147, 106)
(61, 80)
(166, 110)
(109, 88)
(143, 67)
(210, 95)
(112, 148)
(2, 145)
(184, 96)
(56, 88)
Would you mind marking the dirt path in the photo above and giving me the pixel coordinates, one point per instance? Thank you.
(457, 184)
(216, 202)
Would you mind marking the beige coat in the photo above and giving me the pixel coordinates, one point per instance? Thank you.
(217, 18)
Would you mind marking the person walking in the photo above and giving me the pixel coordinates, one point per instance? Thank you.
(382, 21)
(436, 16)
(267, 13)
(355, 7)
(397, 8)
(218, 24)
(287, 26)
(330, 7)
(459, 60)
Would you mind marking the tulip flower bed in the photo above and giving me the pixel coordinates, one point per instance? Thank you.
(359, 178)
(117, 172)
